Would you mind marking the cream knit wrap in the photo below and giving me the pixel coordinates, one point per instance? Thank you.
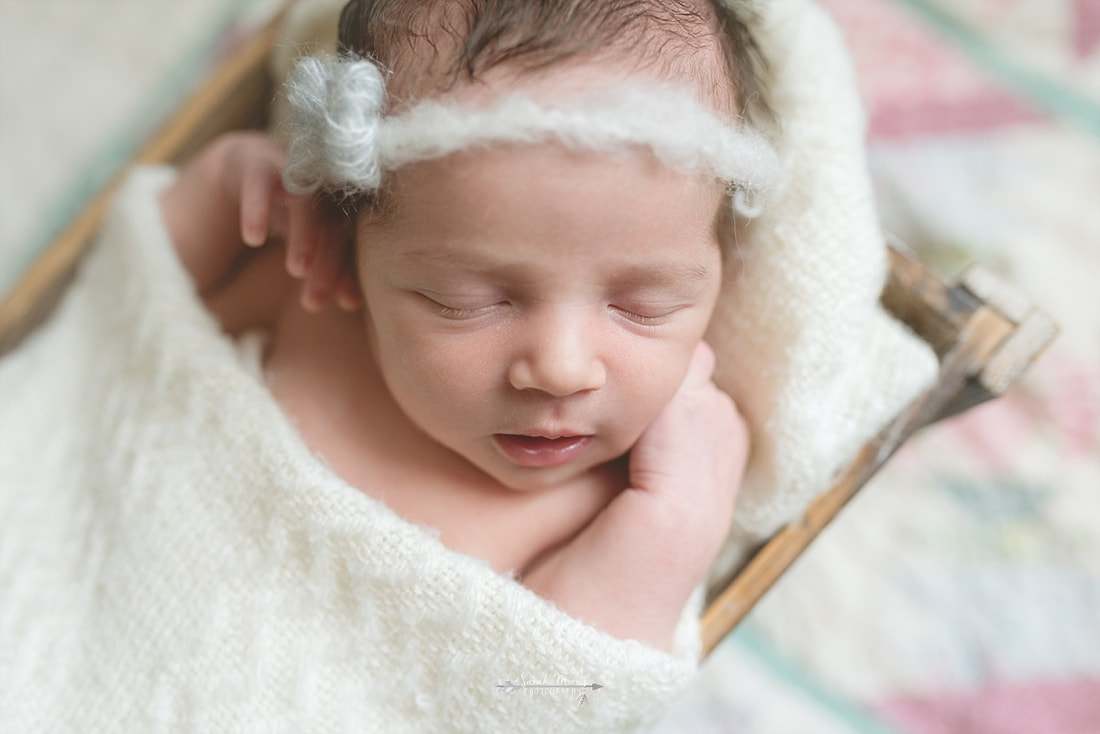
(173, 558)
(804, 346)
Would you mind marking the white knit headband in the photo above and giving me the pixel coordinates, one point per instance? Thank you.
(340, 140)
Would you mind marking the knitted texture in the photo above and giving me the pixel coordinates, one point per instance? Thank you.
(173, 558)
(804, 347)
(340, 140)
(336, 115)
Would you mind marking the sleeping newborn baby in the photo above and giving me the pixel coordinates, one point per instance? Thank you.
(523, 211)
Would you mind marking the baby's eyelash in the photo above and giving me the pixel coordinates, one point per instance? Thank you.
(647, 320)
(448, 312)
(643, 319)
(454, 313)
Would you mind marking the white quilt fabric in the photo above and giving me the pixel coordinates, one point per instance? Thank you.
(173, 558)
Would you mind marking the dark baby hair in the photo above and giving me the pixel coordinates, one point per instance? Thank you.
(466, 38)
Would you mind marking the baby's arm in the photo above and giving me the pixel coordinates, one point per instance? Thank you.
(632, 569)
(229, 197)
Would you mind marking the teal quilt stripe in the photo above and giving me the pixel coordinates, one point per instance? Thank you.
(860, 721)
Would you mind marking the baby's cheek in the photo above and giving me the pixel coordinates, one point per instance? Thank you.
(452, 374)
(645, 401)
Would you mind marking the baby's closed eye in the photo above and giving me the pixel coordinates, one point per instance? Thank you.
(646, 314)
(460, 306)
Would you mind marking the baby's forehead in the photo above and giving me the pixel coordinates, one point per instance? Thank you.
(474, 206)
(501, 170)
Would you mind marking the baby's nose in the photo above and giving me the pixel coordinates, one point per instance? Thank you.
(560, 362)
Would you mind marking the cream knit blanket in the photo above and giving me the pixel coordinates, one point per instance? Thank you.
(805, 348)
(173, 558)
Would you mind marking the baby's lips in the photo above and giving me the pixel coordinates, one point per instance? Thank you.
(540, 451)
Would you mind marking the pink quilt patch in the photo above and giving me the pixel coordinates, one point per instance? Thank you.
(1087, 24)
(1066, 707)
(915, 83)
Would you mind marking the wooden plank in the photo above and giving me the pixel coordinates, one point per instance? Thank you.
(967, 335)
(932, 310)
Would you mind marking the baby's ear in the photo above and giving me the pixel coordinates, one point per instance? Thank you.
(319, 252)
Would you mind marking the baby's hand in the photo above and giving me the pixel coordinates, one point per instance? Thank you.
(314, 240)
(231, 194)
(632, 569)
(689, 462)
(251, 166)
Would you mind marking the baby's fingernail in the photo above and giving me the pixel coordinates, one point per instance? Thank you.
(312, 302)
(347, 302)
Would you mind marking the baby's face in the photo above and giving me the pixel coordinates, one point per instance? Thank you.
(533, 309)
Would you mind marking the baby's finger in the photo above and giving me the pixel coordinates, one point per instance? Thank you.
(302, 242)
(277, 226)
(325, 270)
(258, 185)
(348, 295)
(700, 369)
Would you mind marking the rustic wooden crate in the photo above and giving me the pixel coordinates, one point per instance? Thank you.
(984, 332)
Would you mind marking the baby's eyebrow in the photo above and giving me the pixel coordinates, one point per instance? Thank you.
(627, 275)
(665, 273)
(441, 257)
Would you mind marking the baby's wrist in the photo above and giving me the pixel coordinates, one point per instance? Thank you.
(630, 573)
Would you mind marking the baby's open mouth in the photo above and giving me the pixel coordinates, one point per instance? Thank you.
(540, 451)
